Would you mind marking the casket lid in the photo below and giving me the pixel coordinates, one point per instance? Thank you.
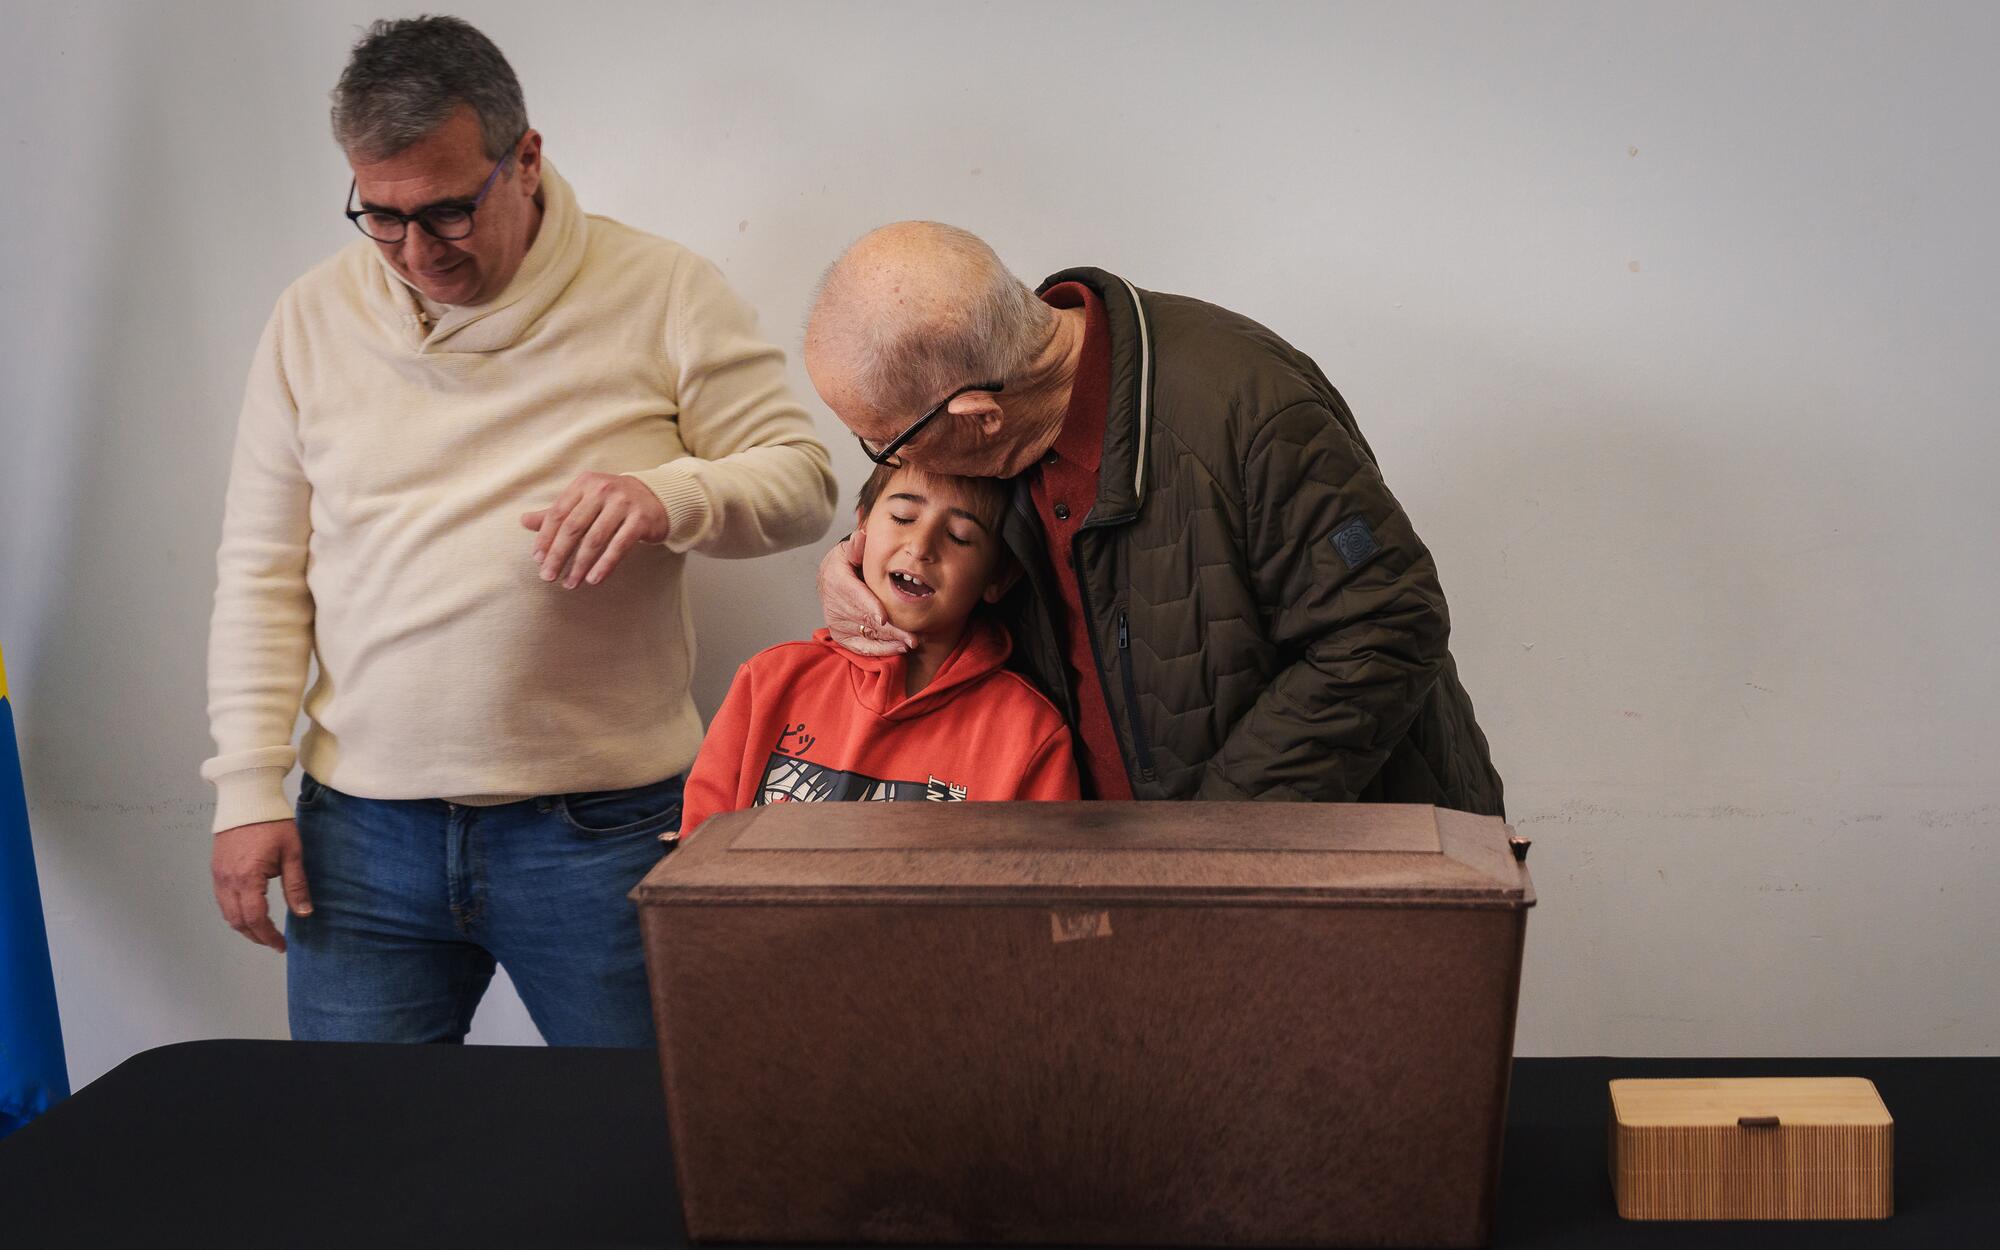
(1290, 854)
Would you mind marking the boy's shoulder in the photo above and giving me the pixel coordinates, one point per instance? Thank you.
(789, 656)
(1005, 688)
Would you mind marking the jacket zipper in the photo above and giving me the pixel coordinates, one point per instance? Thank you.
(1142, 752)
(1140, 746)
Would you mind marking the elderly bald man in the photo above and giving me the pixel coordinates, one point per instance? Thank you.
(1221, 594)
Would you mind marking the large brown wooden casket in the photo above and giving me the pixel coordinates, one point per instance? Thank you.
(1138, 1023)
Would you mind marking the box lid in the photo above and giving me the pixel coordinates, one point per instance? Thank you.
(1842, 1101)
(1289, 854)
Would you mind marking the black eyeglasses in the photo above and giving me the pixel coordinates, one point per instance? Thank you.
(440, 221)
(887, 454)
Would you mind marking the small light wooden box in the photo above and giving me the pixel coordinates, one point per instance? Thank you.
(1781, 1148)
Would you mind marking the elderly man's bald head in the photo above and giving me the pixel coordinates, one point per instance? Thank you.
(912, 312)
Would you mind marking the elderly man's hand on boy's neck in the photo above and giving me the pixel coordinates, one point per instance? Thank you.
(854, 616)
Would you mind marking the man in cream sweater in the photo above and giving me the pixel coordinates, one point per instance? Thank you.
(475, 448)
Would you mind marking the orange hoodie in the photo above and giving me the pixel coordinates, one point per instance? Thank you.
(809, 722)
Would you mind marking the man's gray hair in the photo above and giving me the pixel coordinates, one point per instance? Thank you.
(992, 335)
(405, 77)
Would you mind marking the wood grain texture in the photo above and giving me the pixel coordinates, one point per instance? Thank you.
(1820, 1148)
(979, 1062)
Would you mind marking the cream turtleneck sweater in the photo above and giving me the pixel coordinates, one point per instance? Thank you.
(382, 463)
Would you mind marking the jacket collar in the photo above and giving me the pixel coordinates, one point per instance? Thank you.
(1121, 476)
(547, 270)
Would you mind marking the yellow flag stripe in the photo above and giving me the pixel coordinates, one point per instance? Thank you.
(3, 672)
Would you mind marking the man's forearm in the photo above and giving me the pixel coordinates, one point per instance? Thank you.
(753, 502)
(260, 647)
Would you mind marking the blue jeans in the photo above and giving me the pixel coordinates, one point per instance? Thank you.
(415, 899)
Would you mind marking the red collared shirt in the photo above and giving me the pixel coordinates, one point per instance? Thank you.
(1064, 488)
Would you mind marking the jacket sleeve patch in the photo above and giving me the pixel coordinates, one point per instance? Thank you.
(1355, 542)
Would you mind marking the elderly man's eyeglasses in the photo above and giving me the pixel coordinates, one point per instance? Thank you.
(450, 220)
(888, 452)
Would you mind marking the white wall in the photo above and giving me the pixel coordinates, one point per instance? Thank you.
(1673, 327)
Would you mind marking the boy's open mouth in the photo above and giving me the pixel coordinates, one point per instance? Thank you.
(910, 587)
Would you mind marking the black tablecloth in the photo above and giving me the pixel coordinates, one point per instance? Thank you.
(220, 1144)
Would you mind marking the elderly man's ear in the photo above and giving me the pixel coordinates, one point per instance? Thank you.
(981, 407)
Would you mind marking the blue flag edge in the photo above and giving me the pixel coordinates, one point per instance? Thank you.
(34, 1074)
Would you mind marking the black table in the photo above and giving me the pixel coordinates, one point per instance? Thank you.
(219, 1144)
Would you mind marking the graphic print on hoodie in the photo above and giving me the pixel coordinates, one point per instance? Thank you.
(812, 722)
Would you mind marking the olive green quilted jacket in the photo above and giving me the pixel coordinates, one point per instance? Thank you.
(1267, 624)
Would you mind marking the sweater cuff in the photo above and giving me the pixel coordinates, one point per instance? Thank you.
(680, 491)
(250, 796)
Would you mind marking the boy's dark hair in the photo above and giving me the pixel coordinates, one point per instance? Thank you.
(986, 497)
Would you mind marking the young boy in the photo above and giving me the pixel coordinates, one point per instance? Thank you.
(809, 722)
